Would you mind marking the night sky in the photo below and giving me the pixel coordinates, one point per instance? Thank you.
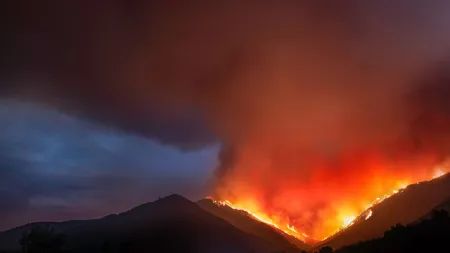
(108, 104)
(55, 166)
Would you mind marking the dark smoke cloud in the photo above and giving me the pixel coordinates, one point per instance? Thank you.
(431, 108)
(324, 75)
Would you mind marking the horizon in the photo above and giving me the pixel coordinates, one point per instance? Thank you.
(305, 115)
(309, 241)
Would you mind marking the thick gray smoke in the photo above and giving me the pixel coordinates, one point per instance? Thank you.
(281, 83)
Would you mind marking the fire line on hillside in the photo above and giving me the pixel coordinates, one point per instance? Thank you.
(296, 232)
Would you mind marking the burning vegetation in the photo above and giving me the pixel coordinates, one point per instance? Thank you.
(312, 222)
(319, 122)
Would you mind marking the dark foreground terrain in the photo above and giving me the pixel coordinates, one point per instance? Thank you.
(430, 235)
(170, 224)
(175, 224)
(408, 206)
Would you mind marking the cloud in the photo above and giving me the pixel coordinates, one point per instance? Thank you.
(285, 85)
(226, 70)
(53, 163)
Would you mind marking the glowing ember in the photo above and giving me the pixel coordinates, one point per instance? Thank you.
(349, 220)
(290, 230)
(369, 215)
(438, 173)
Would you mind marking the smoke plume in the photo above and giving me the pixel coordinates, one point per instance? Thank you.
(321, 105)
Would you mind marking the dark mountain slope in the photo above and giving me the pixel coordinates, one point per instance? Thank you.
(404, 207)
(429, 235)
(244, 222)
(443, 206)
(9, 240)
(171, 224)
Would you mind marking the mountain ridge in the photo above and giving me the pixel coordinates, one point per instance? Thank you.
(172, 224)
(405, 207)
(178, 218)
(244, 221)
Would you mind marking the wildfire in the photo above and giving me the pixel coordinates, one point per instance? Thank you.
(369, 214)
(286, 228)
(349, 221)
(346, 216)
(292, 228)
(438, 173)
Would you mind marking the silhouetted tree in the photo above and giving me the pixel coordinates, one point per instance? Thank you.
(439, 215)
(395, 231)
(124, 247)
(106, 247)
(326, 249)
(41, 240)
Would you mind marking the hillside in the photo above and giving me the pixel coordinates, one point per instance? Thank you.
(175, 224)
(245, 222)
(9, 239)
(405, 207)
(429, 235)
(170, 224)
(443, 206)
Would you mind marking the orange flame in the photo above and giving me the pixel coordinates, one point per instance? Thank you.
(369, 215)
(438, 173)
(286, 228)
(349, 221)
(342, 214)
